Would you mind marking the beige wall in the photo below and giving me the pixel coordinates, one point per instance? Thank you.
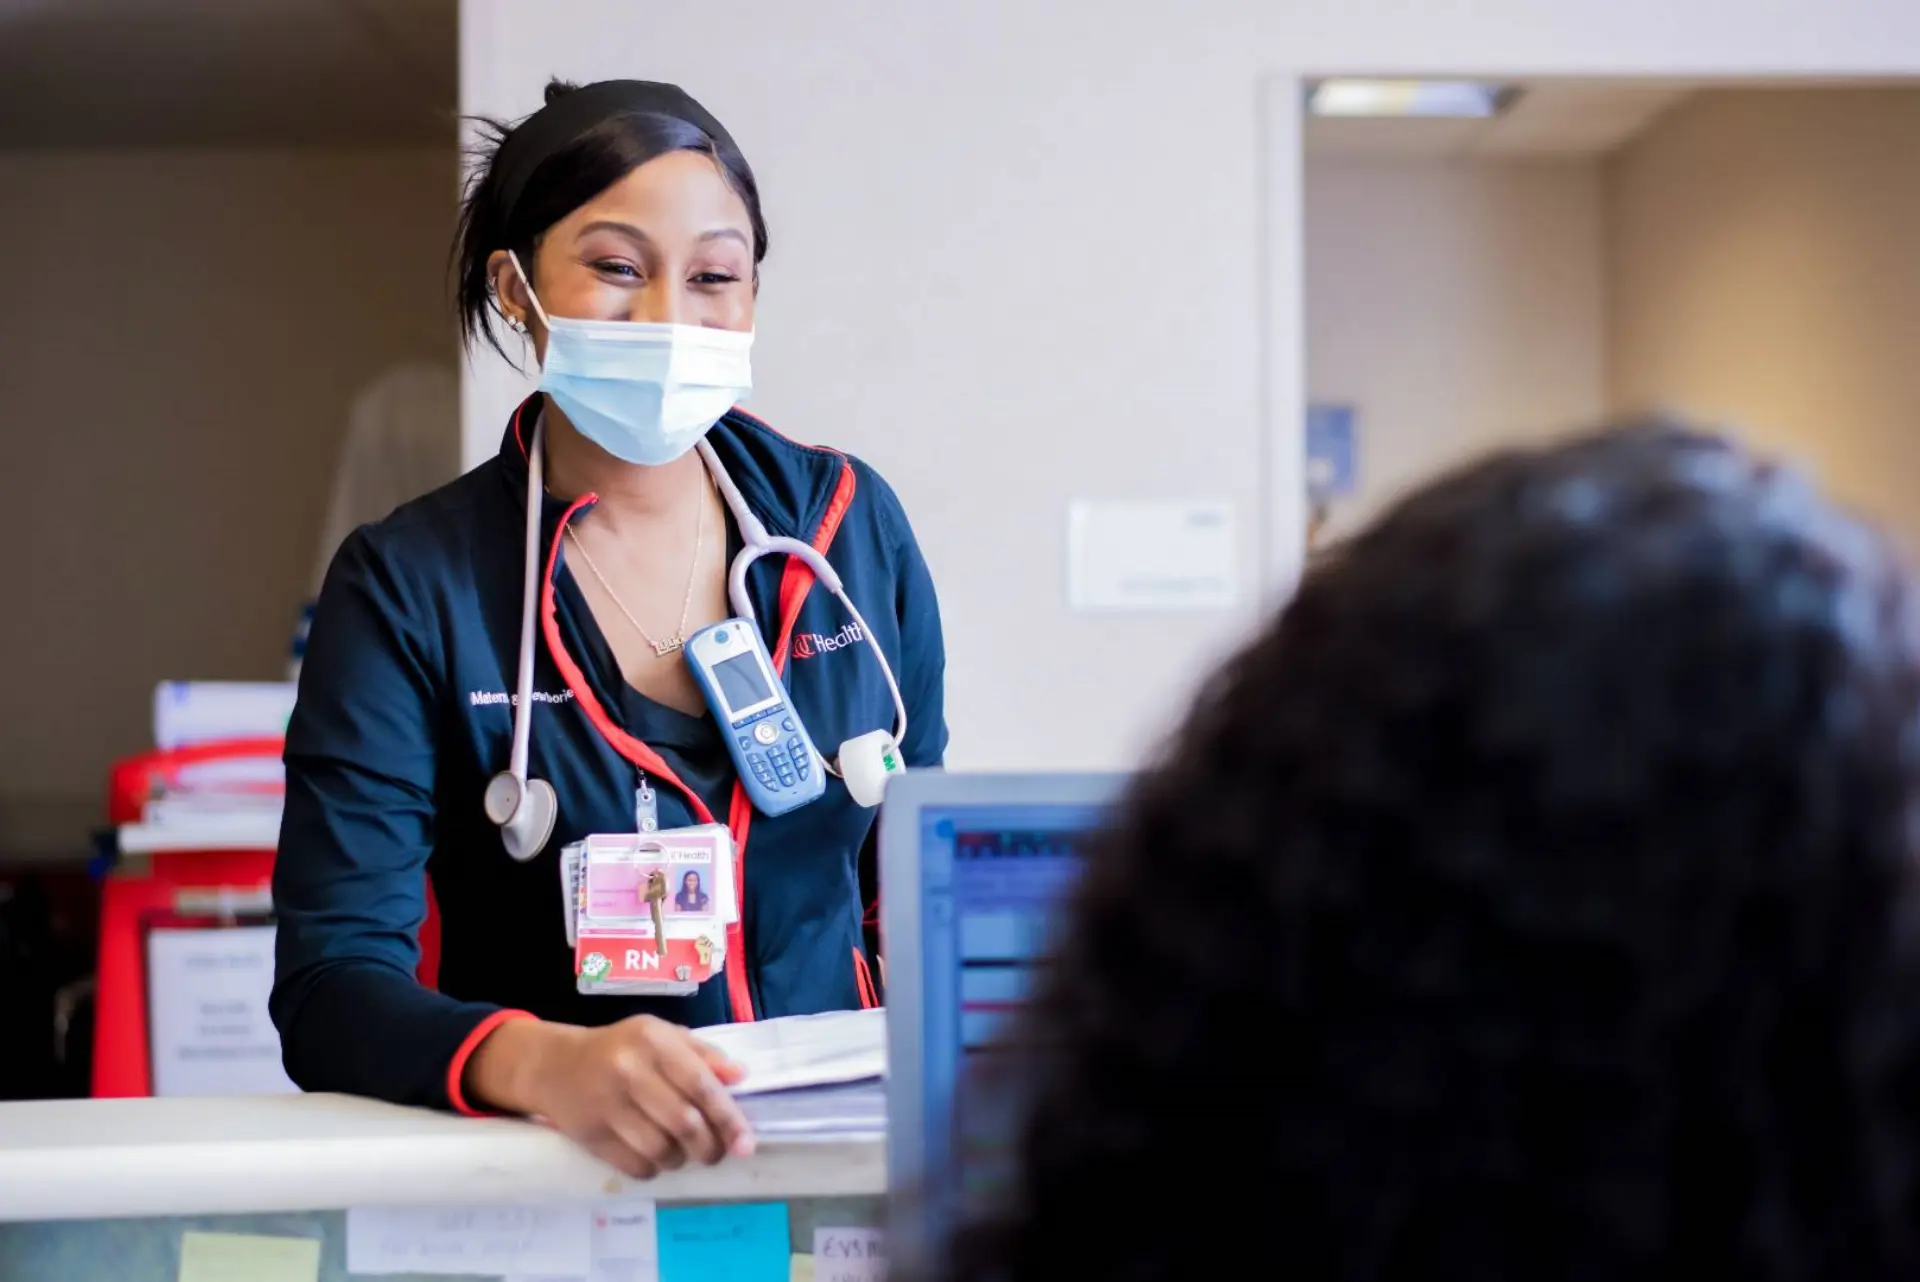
(1456, 305)
(1764, 262)
(183, 334)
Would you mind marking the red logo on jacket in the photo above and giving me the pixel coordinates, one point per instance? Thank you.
(808, 644)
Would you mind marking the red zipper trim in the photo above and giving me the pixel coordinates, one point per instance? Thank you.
(795, 583)
(863, 980)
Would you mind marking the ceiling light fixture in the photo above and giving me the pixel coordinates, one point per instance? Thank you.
(1458, 99)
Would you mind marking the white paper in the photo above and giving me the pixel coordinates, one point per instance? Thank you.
(849, 1255)
(207, 1012)
(626, 1232)
(190, 712)
(843, 1110)
(523, 1241)
(804, 1050)
(1152, 556)
(626, 1245)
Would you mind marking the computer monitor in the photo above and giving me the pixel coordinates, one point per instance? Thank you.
(972, 867)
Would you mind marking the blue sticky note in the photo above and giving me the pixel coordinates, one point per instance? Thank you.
(740, 1242)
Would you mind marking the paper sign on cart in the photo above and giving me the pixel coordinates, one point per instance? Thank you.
(209, 1030)
(539, 1241)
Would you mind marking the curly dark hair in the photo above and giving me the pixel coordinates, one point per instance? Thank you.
(1546, 911)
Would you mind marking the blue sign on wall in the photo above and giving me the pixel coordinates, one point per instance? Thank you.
(1333, 463)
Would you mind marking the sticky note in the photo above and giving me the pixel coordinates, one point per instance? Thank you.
(849, 1255)
(742, 1242)
(802, 1270)
(541, 1240)
(246, 1257)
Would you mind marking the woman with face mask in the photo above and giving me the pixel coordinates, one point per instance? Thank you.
(614, 238)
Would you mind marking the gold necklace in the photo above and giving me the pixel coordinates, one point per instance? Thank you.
(678, 641)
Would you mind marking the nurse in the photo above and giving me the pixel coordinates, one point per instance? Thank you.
(619, 219)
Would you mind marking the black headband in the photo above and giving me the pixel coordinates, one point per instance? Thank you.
(572, 114)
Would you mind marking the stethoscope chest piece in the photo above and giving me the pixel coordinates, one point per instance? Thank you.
(526, 813)
(866, 763)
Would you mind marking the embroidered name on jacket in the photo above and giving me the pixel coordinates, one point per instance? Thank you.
(481, 698)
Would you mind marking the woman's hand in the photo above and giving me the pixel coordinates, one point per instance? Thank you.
(642, 1095)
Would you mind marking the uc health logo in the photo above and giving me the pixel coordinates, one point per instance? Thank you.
(808, 644)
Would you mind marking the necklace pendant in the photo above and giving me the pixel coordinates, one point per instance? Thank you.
(671, 645)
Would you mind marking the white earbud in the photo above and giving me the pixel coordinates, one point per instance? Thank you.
(866, 763)
(525, 815)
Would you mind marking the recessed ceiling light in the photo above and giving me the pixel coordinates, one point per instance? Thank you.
(1469, 99)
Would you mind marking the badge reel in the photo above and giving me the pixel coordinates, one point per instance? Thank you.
(648, 912)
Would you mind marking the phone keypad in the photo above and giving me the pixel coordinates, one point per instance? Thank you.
(778, 764)
(783, 765)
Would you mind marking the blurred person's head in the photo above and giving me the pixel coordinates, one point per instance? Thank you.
(1549, 913)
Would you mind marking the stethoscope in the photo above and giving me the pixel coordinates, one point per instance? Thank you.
(526, 809)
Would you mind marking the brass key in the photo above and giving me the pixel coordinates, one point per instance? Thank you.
(656, 897)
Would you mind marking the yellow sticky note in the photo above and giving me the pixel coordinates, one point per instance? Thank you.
(246, 1257)
(802, 1270)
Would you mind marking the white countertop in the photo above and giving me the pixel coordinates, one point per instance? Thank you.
(86, 1159)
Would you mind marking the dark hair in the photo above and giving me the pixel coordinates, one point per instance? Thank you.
(1549, 911)
(491, 219)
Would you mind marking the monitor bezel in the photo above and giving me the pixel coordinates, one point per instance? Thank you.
(902, 898)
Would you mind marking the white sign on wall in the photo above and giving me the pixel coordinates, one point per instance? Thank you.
(1152, 555)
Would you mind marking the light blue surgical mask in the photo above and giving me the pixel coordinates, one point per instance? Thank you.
(643, 391)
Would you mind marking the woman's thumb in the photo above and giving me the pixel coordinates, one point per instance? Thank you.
(728, 1071)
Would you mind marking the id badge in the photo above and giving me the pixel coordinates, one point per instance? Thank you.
(647, 912)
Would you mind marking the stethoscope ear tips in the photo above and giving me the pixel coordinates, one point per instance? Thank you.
(525, 812)
(866, 763)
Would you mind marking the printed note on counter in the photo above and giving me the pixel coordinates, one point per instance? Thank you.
(521, 1241)
(625, 1245)
(849, 1255)
(247, 1257)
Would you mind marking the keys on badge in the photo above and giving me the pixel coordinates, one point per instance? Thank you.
(656, 897)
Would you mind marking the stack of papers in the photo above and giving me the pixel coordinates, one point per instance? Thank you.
(819, 1076)
(186, 713)
(226, 788)
(851, 1110)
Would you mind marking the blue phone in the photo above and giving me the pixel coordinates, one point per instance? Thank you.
(771, 749)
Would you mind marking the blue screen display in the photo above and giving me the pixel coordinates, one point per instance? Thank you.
(993, 878)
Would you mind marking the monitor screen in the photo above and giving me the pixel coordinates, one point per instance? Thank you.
(993, 877)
